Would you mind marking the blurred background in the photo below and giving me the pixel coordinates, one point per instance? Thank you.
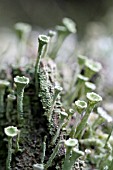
(48, 13)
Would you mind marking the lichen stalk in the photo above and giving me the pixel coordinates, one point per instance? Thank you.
(55, 151)
(3, 85)
(77, 93)
(68, 26)
(9, 157)
(66, 161)
(10, 131)
(63, 116)
(75, 155)
(42, 40)
(22, 31)
(2, 93)
(44, 150)
(37, 65)
(69, 144)
(58, 89)
(20, 82)
(83, 122)
(17, 142)
(9, 107)
(20, 94)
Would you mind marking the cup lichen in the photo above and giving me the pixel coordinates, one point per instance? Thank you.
(21, 83)
(11, 132)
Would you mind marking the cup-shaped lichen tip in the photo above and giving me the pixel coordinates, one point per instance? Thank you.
(104, 114)
(11, 97)
(58, 88)
(71, 142)
(51, 33)
(80, 105)
(71, 111)
(38, 167)
(78, 152)
(82, 78)
(69, 24)
(87, 151)
(63, 115)
(21, 80)
(93, 65)
(4, 83)
(22, 29)
(93, 97)
(23, 26)
(43, 39)
(61, 29)
(90, 85)
(11, 131)
(81, 59)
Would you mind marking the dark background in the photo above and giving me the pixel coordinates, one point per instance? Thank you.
(48, 13)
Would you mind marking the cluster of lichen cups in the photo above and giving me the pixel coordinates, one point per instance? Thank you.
(12, 131)
(72, 145)
(82, 99)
